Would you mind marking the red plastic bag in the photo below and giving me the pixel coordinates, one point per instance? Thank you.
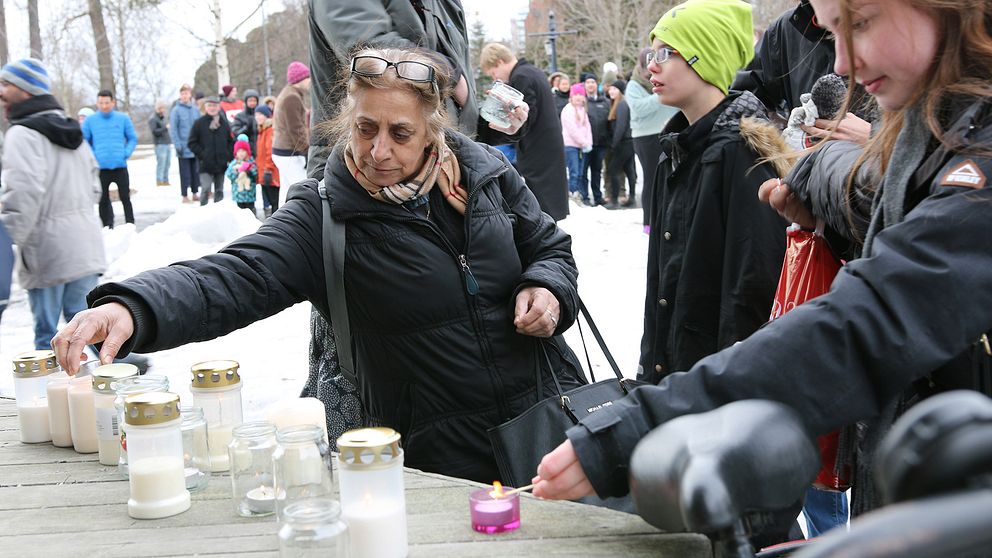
(809, 268)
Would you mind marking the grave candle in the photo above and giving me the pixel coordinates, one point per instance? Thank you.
(82, 415)
(216, 388)
(31, 372)
(155, 456)
(58, 410)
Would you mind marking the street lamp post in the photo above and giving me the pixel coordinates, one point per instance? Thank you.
(552, 35)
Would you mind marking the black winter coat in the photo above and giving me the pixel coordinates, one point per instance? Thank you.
(715, 251)
(245, 123)
(437, 361)
(793, 53)
(913, 309)
(540, 147)
(598, 110)
(213, 148)
(561, 99)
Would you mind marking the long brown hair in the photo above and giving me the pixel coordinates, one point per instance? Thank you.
(613, 107)
(962, 71)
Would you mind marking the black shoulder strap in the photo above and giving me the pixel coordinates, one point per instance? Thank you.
(333, 237)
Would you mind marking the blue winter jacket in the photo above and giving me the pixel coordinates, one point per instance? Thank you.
(181, 121)
(112, 137)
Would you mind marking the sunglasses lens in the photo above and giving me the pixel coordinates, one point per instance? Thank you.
(414, 71)
(369, 65)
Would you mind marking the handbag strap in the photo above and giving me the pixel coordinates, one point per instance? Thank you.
(333, 237)
(563, 400)
(602, 345)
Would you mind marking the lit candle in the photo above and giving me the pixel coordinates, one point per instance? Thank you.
(373, 528)
(261, 500)
(33, 417)
(493, 512)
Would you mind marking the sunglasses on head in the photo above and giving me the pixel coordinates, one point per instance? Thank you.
(373, 66)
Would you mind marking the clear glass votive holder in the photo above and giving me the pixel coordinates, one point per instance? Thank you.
(498, 104)
(301, 465)
(196, 456)
(250, 455)
(494, 515)
(312, 528)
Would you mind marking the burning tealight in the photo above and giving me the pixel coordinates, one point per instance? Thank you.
(494, 511)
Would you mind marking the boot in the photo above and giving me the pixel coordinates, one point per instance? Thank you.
(268, 212)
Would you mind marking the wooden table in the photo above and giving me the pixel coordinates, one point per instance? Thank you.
(55, 502)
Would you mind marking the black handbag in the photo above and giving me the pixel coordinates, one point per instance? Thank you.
(520, 443)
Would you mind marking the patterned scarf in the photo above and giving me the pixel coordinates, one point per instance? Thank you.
(441, 168)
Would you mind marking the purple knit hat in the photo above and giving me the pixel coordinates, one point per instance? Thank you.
(297, 72)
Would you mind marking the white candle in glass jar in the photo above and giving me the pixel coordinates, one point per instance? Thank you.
(33, 418)
(82, 415)
(218, 438)
(158, 487)
(58, 410)
(376, 528)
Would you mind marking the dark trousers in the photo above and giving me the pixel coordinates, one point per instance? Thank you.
(622, 163)
(594, 162)
(189, 175)
(218, 183)
(648, 149)
(270, 194)
(123, 181)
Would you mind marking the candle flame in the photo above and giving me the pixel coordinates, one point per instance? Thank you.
(497, 492)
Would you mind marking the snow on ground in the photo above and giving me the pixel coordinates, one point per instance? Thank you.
(609, 246)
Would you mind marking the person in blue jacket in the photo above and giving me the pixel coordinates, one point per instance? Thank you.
(111, 136)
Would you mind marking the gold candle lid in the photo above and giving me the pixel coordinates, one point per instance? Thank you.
(145, 409)
(34, 364)
(369, 448)
(215, 374)
(106, 378)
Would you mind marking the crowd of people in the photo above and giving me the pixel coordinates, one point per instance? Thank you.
(897, 183)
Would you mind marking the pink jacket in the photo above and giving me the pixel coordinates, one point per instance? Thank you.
(575, 133)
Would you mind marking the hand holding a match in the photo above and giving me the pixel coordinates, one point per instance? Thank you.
(560, 475)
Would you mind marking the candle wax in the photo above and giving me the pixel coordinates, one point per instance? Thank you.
(218, 438)
(33, 418)
(260, 500)
(376, 528)
(158, 488)
(58, 413)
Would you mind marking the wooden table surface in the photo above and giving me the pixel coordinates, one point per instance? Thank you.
(55, 502)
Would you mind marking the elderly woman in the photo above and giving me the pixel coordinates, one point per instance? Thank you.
(456, 283)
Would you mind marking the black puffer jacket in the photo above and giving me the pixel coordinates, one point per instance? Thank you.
(913, 309)
(598, 110)
(438, 363)
(715, 251)
(211, 147)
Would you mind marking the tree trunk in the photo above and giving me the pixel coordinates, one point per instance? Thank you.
(34, 30)
(123, 56)
(104, 58)
(4, 51)
(220, 50)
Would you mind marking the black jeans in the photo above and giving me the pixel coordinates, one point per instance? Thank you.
(594, 162)
(622, 163)
(123, 181)
(218, 181)
(648, 149)
(271, 194)
(189, 175)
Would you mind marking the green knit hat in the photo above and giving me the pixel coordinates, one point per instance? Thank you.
(716, 37)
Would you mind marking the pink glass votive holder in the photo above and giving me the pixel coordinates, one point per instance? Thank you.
(492, 516)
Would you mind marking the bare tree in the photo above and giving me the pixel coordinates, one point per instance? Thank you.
(220, 48)
(104, 56)
(34, 30)
(70, 60)
(4, 50)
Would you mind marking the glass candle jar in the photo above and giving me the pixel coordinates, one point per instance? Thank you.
(312, 528)
(301, 466)
(58, 409)
(31, 372)
(196, 456)
(252, 481)
(149, 383)
(373, 503)
(491, 512)
(82, 415)
(108, 433)
(155, 454)
(216, 389)
(499, 103)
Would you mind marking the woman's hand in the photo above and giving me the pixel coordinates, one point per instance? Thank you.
(536, 312)
(110, 323)
(560, 475)
(776, 193)
(850, 128)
